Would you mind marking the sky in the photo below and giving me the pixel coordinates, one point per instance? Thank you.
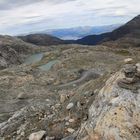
(25, 16)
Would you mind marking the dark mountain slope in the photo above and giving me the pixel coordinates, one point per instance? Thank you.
(129, 30)
(92, 39)
(41, 39)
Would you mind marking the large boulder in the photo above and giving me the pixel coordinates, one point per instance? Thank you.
(37, 135)
(114, 114)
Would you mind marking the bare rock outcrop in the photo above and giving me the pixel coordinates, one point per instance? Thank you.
(8, 56)
(115, 112)
(13, 51)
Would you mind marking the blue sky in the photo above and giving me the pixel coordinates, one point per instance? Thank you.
(24, 16)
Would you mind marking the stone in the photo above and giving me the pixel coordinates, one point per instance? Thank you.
(62, 98)
(78, 104)
(69, 106)
(96, 91)
(71, 120)
(50, 138)
(3, 63)
(74, 85)
(67, 118)
(129, 70)
(138, 69)
(57, 105)
(128, 80)
(87, 92)
(128, 61)
(67, 123)
(22, 133)
(138, 66)
(37, 135)
(70, 130)
(22, 96)
(48, 100)
(72, 137)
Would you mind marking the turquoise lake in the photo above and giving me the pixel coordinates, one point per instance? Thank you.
(48, 66)
(33, 58)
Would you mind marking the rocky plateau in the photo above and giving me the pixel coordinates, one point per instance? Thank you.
(88, 93)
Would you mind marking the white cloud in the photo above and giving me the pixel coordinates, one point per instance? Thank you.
(35, 15)
(120, 12)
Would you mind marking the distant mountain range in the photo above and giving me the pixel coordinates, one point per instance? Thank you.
(126, 36)
(79, 32)
(69, 35)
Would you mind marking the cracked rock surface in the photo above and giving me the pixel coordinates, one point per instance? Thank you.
(115, 113)
(72, 100)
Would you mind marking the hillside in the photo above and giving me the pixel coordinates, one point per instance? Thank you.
(41, 39)
(51, 96)
(114, 114)
(13, 50)
(128, 33)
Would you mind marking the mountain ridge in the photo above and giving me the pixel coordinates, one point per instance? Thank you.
(125, 36)
(131, 28)
(41, 39)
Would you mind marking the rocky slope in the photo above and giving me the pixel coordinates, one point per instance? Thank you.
(124, 36)
(115, 113)
(13, 50)
(54, 103)
(41, 39)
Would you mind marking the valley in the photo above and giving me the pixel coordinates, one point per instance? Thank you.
(33, 96)
(51, 89)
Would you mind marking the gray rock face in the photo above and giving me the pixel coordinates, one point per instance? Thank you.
(128, 61)
(69, 106)
(21, 120)
(131, 79)
(129, 70)
(3, 63)
(11, 51)
(37, 135)
(114, 114)
(8, 56)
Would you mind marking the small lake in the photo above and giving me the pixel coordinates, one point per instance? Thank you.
(36, 58)
(48, 66)
(33, 58)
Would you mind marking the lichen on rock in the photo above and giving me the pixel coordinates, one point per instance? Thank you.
(114, 114)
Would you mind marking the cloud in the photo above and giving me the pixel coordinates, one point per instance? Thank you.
(33, 15)
(9, 4)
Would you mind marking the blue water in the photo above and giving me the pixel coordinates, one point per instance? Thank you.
(33, 58)
(48, 66)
